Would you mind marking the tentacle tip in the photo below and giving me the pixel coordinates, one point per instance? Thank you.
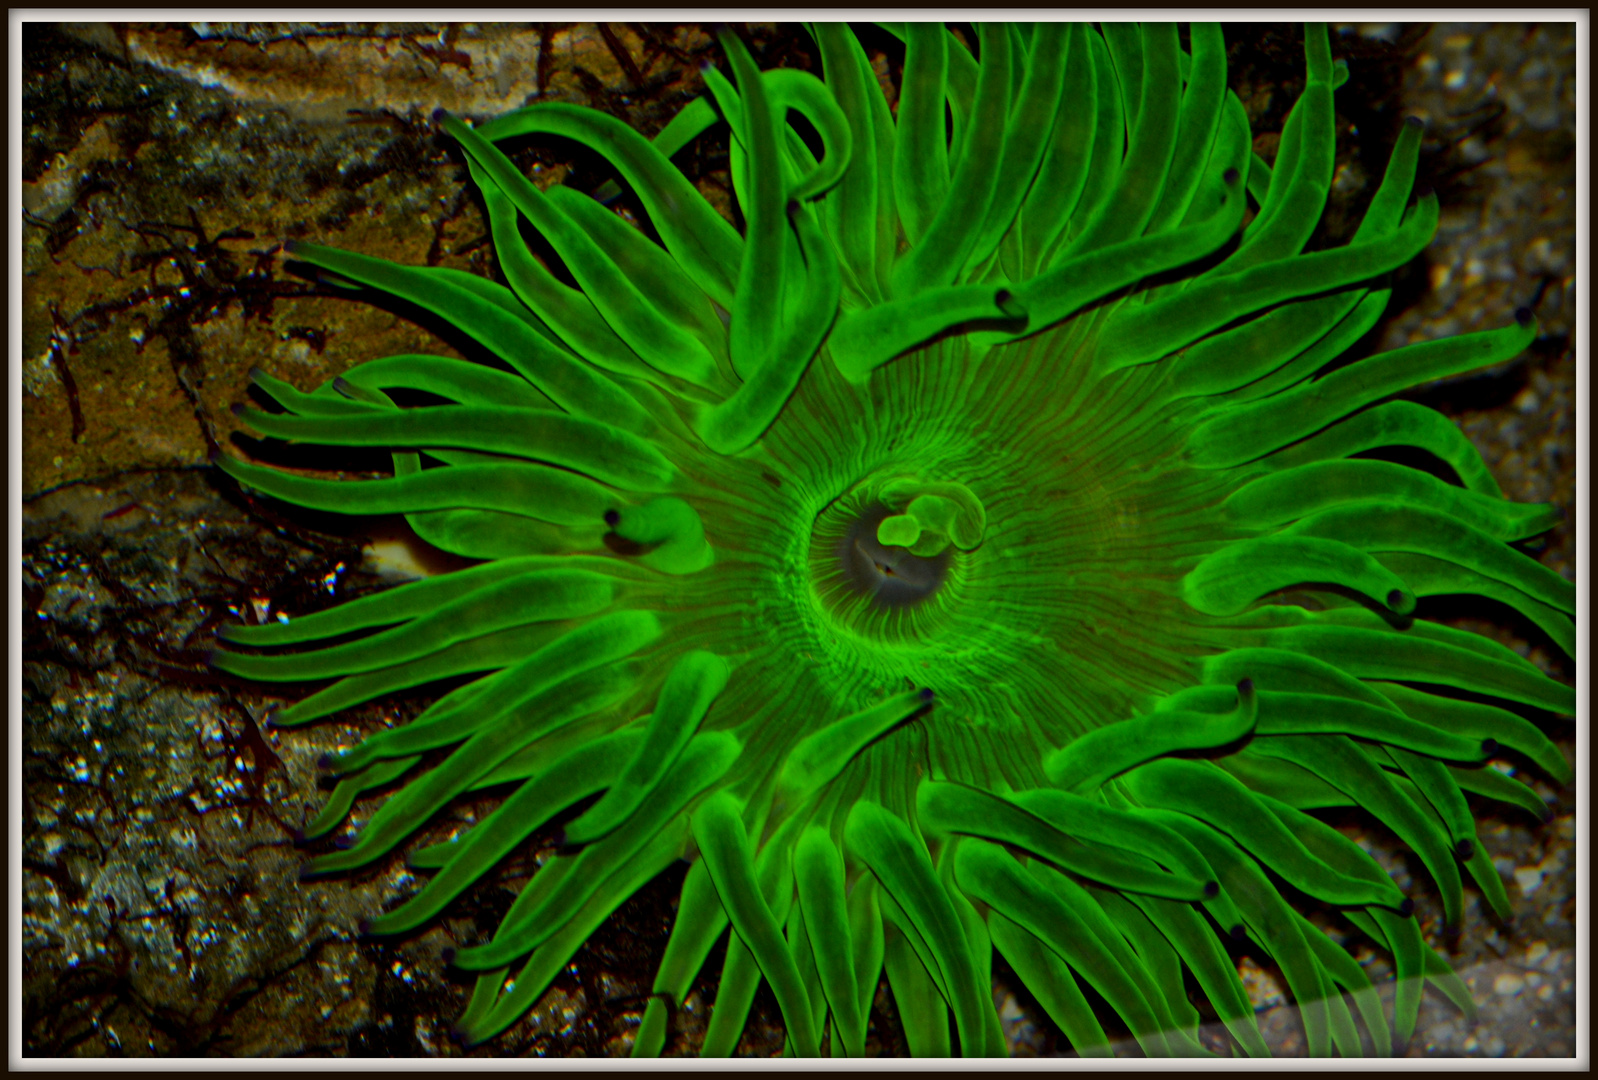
(342, 385)
(561, 838)
(612, 518)
(1400, 602)
(293, 247)
(439, 115)
(324, 763)
(447, 954)
(1212, 889)
(1006, 302)
(1465, 850)
(257, 373)
(1489, 747)
(344, 843)
(297, 836)
(215, 456)
(1414, 122)
(1245, 687)
(1548, 814)
(927, 693)
(793, 207)
(1237, 933)
(1425, 191)
(1230, 177)
(1406, 908)
(308, 871)
(363, 928)
(1523, 316)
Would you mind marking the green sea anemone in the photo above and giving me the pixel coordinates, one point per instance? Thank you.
(988, 549)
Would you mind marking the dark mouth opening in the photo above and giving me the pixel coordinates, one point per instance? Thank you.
(891, 576)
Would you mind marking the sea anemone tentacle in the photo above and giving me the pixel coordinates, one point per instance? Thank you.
(587, 770)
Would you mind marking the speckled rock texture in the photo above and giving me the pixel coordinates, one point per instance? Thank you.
(163, 167)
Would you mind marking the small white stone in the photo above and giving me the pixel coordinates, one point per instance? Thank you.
(1508, 984)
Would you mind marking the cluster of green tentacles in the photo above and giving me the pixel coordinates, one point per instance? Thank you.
(1020, 336)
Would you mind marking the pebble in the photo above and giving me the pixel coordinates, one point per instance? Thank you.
(1508, 985)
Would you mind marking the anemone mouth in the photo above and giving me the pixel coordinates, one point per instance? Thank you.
(890, 559)
(889, 575)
